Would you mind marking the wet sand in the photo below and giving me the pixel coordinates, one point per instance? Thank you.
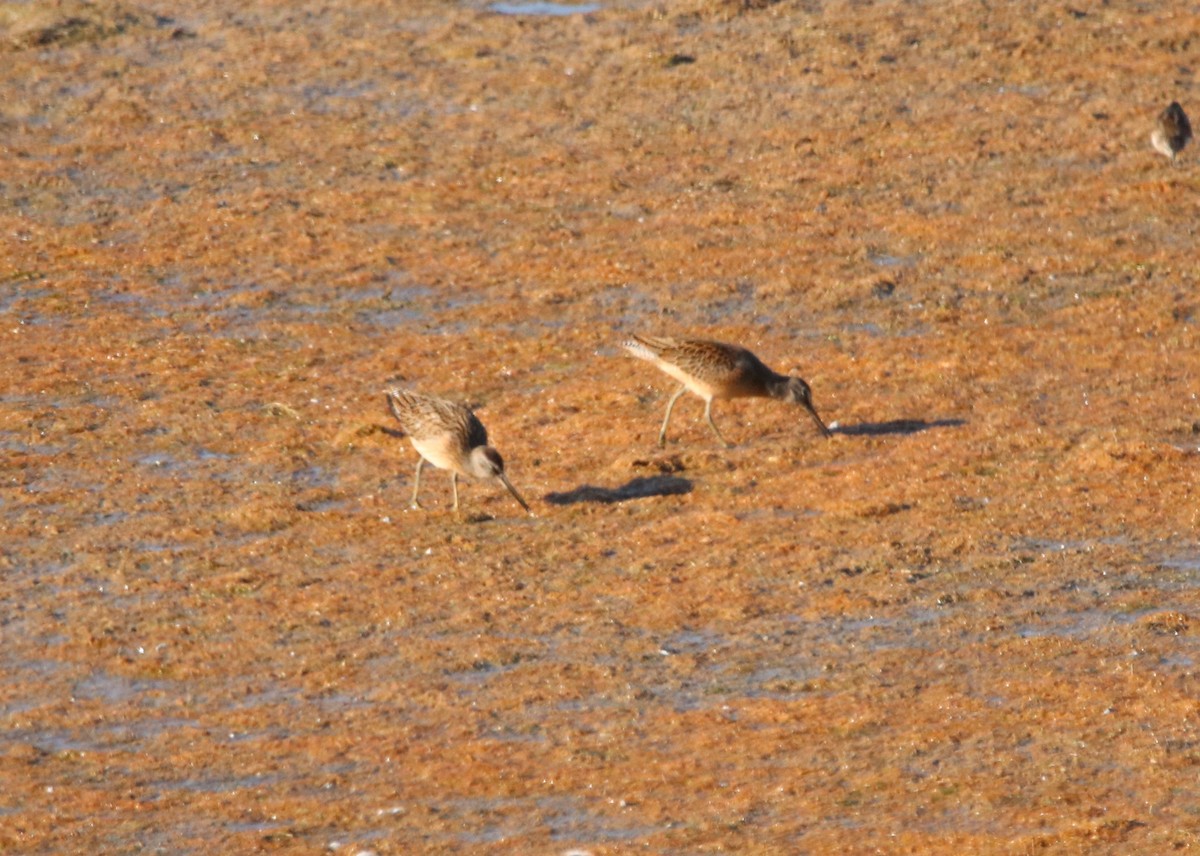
(966, 623)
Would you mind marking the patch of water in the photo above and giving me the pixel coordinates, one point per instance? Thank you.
(387, 307)
(350, 842)
(218, 784)
(313, 476)
(390, 319)
(17, 441)
(277, 697)
(100, 738)
(777, 514)
(198, 463)
(325, 99)
(480, 672)
(540, 7)
(870, 328)
(887, 260)
(156, 547)
(172, 463)
(783, 666)
(28, 675)
(108, 518)
(1045, 545)
(783, 683)
(21, 290)
(1080, 625)
(1177, 661)
(692, 642)
(254, 310)
(256, 826)
(625, 307)
(511, 734)
(39, 567)
(739, 307)
(132, 303)
(1188, 562)
(258, 735)
(491, 821)
(575, 823)
(24, 400)
(118, 689)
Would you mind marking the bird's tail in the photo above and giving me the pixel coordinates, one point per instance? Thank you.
(393, 396)
(642, 347)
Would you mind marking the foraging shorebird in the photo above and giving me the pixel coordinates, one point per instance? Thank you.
(717, 370)
(449, 436)
(1172, 131)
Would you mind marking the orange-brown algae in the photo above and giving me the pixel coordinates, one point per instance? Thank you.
(965, 623)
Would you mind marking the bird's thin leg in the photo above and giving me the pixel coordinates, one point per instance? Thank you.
(454, 487)
(417, 483)
(713, 425)
(662, 435)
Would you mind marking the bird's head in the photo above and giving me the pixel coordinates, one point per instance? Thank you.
(486, 463)
(799, 392)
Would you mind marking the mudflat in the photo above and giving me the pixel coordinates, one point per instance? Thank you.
(967, 622)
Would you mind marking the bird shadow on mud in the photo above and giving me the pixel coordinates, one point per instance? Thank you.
(896, 426)
(638, 488)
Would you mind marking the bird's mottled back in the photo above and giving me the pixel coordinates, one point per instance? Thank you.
(426, 416)
(703, 359)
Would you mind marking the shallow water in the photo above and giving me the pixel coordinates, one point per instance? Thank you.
(551, 9)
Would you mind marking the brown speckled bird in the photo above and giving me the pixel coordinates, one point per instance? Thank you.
(1172, 131)
(450, 437)
(717, 370)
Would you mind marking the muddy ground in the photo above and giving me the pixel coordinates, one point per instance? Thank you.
(966, 623)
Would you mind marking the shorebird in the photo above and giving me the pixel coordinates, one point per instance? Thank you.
(717, 370)
(1172, 131)
(449, 436)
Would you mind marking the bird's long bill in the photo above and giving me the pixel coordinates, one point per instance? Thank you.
(820, 422)
(513, 491)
